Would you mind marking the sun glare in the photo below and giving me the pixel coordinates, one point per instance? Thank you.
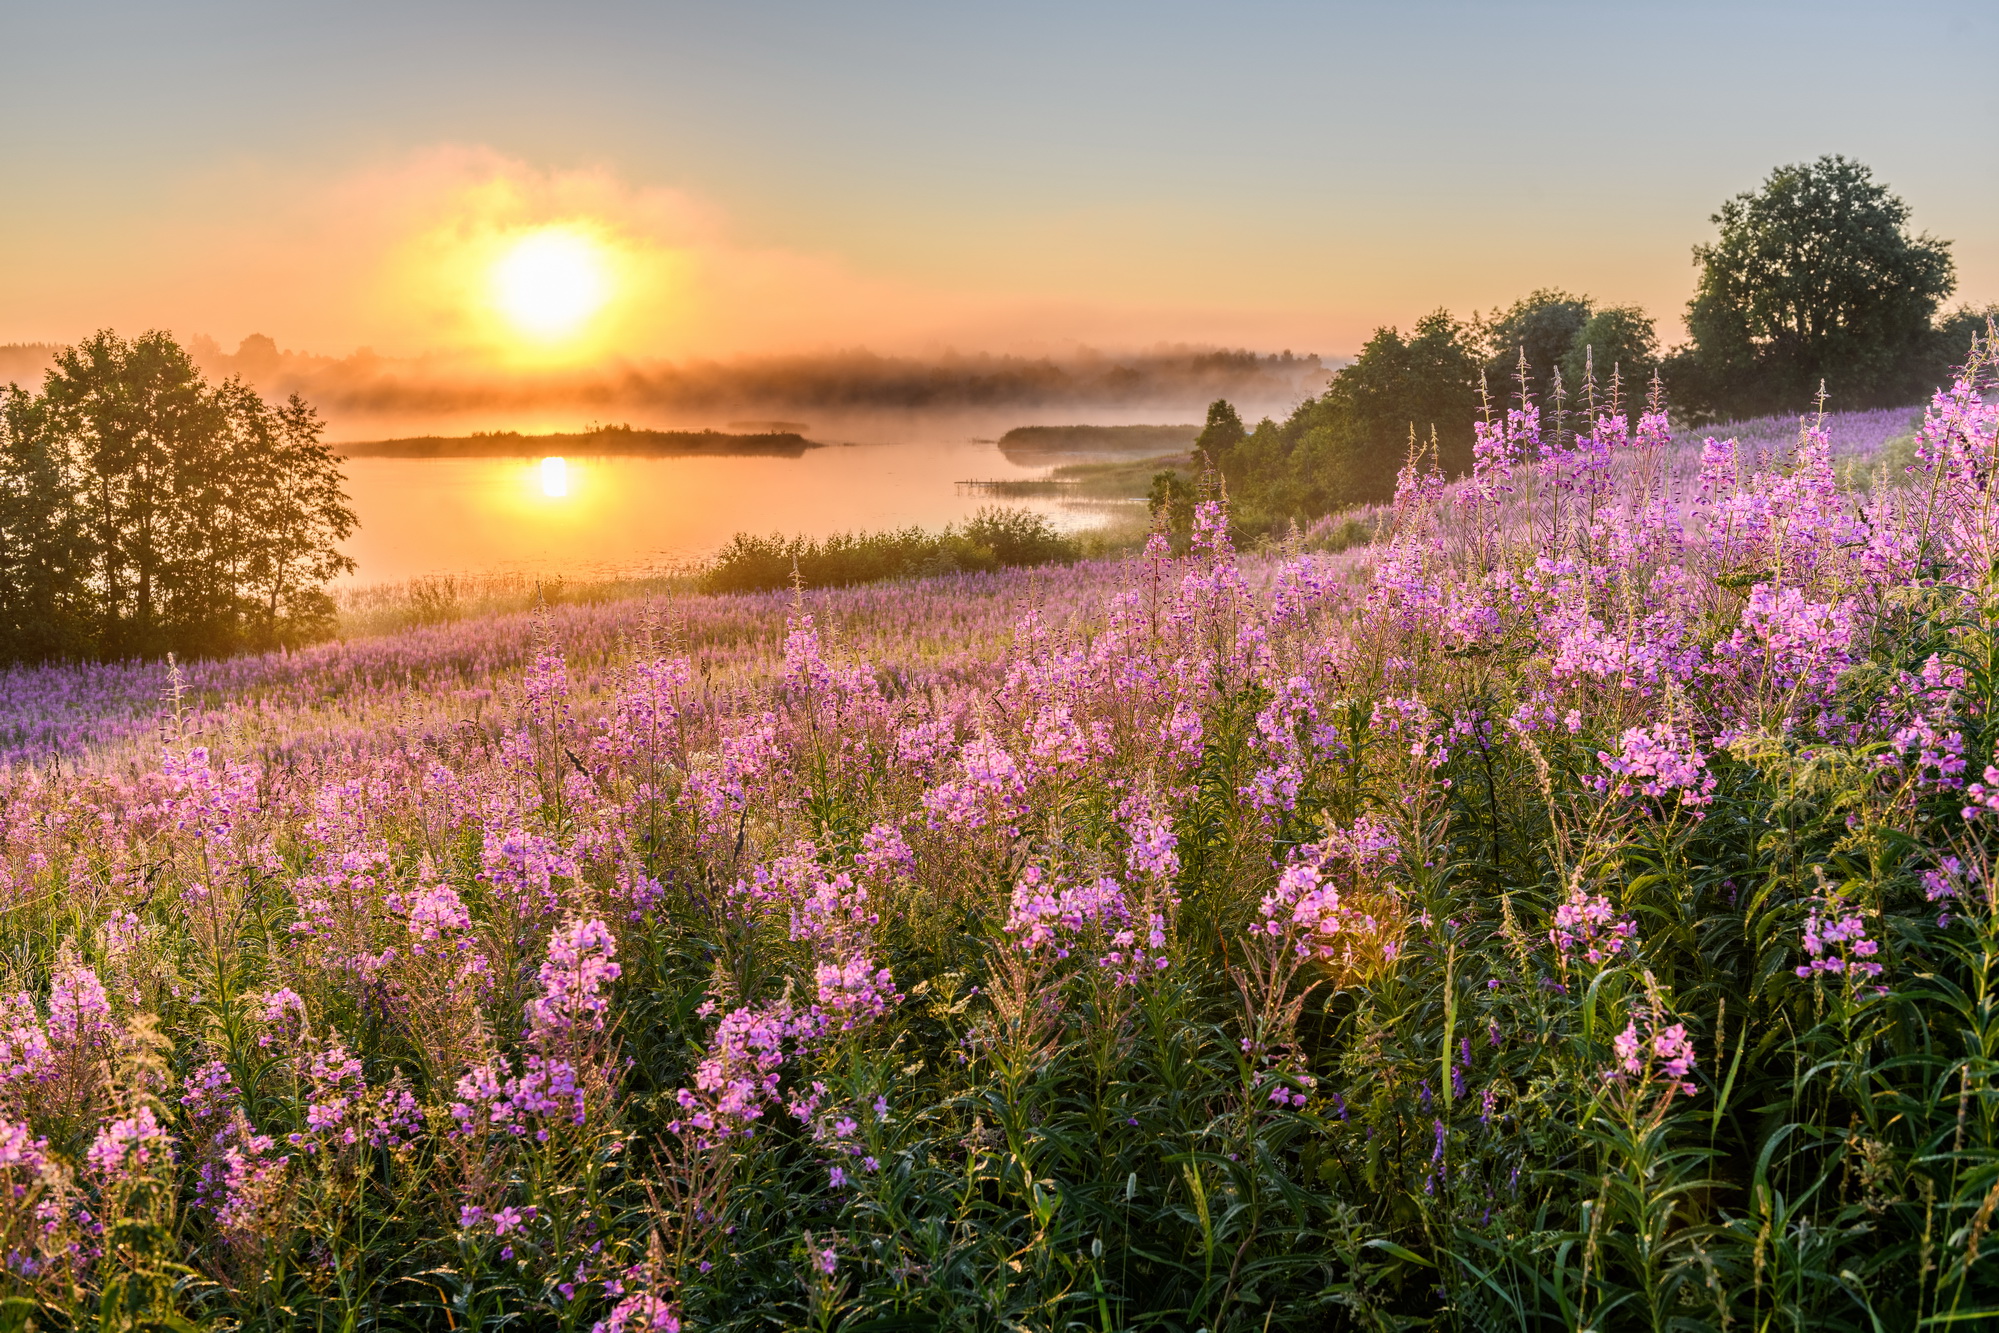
(554, 478)
(549, 283)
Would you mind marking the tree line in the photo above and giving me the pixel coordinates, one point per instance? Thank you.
(144, 510)
(1814, 278)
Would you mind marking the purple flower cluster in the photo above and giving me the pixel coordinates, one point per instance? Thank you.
(1663, 1055)
(1657, 761)
(1835, 942)
(1587, 926)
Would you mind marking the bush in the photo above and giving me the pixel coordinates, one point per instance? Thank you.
(994, 538)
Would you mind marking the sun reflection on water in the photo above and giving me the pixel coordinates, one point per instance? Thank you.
(555, 478)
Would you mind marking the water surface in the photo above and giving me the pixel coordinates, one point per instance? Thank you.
(597, 517)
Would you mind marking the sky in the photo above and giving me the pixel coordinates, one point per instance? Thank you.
(750, 178)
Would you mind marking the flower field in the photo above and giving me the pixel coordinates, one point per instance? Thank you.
(1573, 910)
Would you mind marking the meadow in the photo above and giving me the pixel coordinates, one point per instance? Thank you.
(1572, 908)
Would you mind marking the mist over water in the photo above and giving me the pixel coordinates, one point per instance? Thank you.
(604, 517)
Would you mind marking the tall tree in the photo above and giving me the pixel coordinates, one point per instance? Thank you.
(143, 510)
(1813, 278)
(298, 515)
(1221, 435)
(1427, 382)
(1538, 329)
(1345, 446)
(1617, 345)
(46, 605)
(137, 416)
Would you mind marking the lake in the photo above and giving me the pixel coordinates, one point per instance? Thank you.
(602, 517)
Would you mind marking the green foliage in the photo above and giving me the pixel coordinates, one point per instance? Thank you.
(145, 511)
(1814, 278)
(1218, 440)
(1619, 342)
(1171, 501)
(1346, 446)
(1541, 329)
(1957, 335)
(996, 537)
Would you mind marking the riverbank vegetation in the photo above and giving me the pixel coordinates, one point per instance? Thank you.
(995, 538)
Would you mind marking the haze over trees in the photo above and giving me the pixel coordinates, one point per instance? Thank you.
(144, 510)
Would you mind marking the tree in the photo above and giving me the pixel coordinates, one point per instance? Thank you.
(1170, 500)
(45, 601)
(1814, 278)
(143, 510)
(133, 417)
(1618, 343)
(1221, 435)
(296, 518)
(1426, 383)
(1540, 328)
(1345, 446)
(1957, 332)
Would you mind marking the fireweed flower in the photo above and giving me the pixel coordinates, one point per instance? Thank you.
(1306, 911)
(210, 1093)
(1412, 720)
(212, 808)
(1984, 795)
(852, 992)
(1587, 926)
(241, 1180)
(1049, 915)
(25, 1053)
(1788, 645)
(1835, 942)
(1662, 1054)
(546, 1095)
(1950, 881)
(1659, 761)
(989, 789)
(280, 1016)
(23, 1160)
(128, 1148)
(1051, 919)
(1154, 849)
(738, 1079)
(643, 1313)
(574, 978)
(885, 852)
(79, 1010)
(522, 865)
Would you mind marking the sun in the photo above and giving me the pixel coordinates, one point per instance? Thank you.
(550, 282)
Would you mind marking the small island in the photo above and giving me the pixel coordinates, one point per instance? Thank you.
(594, 440)
(1031, 444)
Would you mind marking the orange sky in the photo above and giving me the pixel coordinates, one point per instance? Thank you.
(775, 178)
